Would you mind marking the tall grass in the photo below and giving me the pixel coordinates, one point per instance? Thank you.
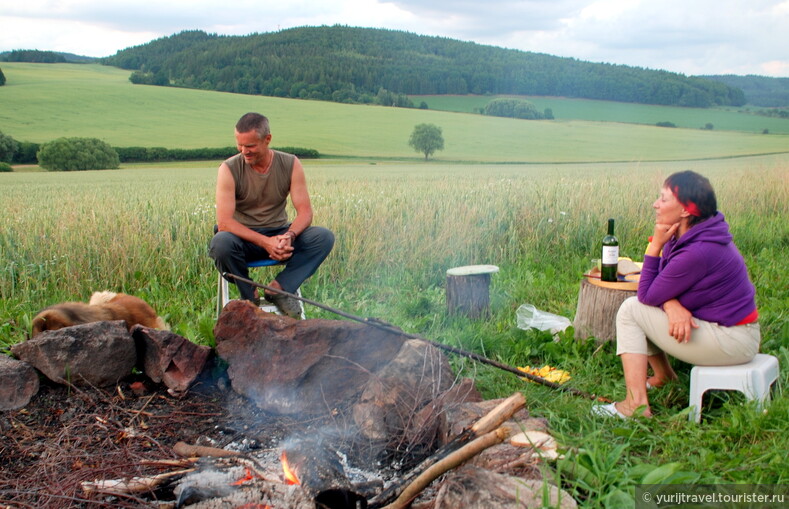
(66, 235)
(144, 230)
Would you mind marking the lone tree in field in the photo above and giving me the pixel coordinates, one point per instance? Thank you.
(426, 139)
(73, 154)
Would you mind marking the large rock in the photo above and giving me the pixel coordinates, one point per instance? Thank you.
(417, 376)
(301, 367)
(99, 353)
(18, 383)
(430, 427)
(472, 487)
(380, 384)
(168, 358)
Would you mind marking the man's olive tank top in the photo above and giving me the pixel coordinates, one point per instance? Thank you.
(261, 199)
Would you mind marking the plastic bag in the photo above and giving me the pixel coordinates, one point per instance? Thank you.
(530, 317)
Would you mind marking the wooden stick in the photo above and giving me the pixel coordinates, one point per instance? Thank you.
(133, 485)
(490, 421)
(189, 451)
(500, 414)
(458, 457)
(182, 463)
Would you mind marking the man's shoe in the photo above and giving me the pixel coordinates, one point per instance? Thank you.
(286, 304)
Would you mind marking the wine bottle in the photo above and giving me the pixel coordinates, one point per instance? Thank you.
(610, 255)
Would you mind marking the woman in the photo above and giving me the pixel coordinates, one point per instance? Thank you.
(695, 300)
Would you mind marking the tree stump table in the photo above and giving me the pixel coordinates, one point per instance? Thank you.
(468, 290)
(598, 302)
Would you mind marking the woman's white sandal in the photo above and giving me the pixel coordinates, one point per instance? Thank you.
(608, 410)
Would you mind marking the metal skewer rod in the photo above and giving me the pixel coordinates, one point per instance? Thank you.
(380, 324)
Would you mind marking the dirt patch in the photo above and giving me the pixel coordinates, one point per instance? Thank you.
(66, 436)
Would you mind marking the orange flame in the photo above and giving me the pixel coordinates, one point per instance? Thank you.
(247, 477)
(290, 475)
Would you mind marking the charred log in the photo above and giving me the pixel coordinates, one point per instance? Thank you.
(318, 470)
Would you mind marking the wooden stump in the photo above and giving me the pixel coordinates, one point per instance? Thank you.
(468, 290)
(596, 312)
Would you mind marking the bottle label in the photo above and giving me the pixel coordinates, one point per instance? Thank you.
(610, 255)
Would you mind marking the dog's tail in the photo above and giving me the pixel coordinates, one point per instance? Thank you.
(101, 297)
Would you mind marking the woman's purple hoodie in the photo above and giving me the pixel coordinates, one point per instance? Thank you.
(704, 271)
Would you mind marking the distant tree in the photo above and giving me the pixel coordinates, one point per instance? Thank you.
(423, 105)
(26, 153)
(708, 126)
(666, 124)
(547, 114)
(2, 78)
(35, 56)
(512, 108)
(426, 138)
(74, 154)
(8, 147)
(4, 167)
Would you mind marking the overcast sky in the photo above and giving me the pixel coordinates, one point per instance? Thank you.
(687, 36)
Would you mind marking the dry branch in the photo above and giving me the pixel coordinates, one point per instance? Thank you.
(190, 451)
(489, 422)
(133, 485)
(453, 460)
(500, 414)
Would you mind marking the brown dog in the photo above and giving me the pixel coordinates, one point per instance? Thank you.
(102, 306)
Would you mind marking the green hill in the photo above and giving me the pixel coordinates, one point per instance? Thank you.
(42, 102)
(759, 90)
(724, 118)
(347, 64)
(43, 57)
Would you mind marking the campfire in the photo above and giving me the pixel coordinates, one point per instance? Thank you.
(290, 474)
(328, 415)
(308, 472)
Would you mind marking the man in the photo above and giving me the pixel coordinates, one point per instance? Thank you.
(252, 223)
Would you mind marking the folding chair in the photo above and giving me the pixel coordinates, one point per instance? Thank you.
(223, 296)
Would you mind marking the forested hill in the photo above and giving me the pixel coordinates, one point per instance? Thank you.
(349, 64)
(759, 90)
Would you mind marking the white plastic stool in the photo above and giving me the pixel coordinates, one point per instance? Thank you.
(752, 379)
(223, 295)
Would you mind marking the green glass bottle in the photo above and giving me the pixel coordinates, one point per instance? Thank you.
(610, 258)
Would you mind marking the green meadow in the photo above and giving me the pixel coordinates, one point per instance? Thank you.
(725, 118)
(41, 102)
(400, 225)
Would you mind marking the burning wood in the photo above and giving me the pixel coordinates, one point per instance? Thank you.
(247, 477)
(318, 471)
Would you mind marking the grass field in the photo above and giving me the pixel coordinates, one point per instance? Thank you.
(727, 119)
(41, 102)
(144, 230)
(400, 225)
